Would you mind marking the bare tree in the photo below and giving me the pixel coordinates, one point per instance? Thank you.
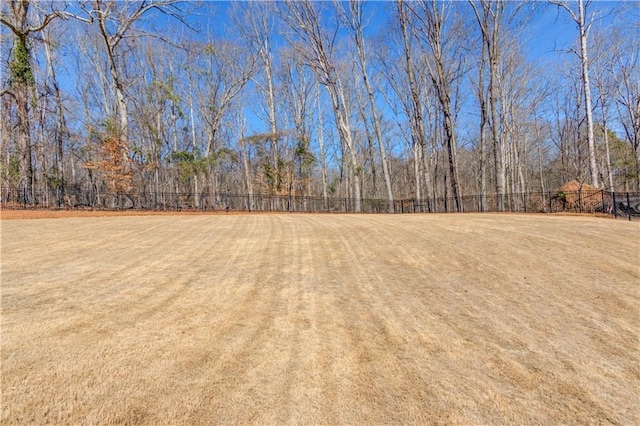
(483, 101)
(443, 71)
(489, 21)
(583, 27)
(354, 24)
(256, 24)
(223, 71)
(567, 105)
(603, 82)
(416, 107)
(297, 88)
(316, 49)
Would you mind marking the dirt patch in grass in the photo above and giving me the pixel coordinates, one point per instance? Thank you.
(320, 319)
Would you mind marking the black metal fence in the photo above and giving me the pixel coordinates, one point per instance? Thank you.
(618, 204)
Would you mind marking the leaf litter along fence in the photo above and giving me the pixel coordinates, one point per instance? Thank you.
(624, 204)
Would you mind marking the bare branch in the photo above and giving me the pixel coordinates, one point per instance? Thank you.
(12, 27)
(564, 5)
(47, 20)
(10, 93)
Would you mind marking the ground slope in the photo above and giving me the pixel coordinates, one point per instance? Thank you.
(321, 319)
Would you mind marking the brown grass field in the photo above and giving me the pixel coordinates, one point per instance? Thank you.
(320, 319)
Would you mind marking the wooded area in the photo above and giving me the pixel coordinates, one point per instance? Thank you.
(421, 100)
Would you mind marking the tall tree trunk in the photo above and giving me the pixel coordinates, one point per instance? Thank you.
(344, 129)
(121, 104)
(417, 171)
(355, 22)
(483, 126)
(587, 93)
(450, 140)
(245, 163)
(606, 145)
(271, 100)
(417, 122)
(497, 142)
(247, 169)
(367, 130)
(23, 137)
(323, 161)
(489, 23)
(541, 175)
(21, 79)
(61, 127)
(434, 15)
(376, 126)
(583, 28)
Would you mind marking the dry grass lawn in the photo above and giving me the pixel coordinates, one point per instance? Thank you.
(312, 319)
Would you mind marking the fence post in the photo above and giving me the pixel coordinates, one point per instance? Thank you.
(580, 199)
(628, 206)
(614, 210)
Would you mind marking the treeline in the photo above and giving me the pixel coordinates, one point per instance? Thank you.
(423, 99)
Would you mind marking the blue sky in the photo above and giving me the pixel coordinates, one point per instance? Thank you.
(548, 30)
(549, 26)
